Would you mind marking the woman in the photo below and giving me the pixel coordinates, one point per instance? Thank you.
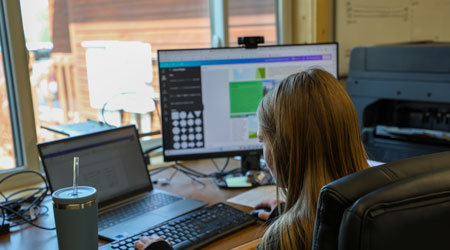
(311, 136)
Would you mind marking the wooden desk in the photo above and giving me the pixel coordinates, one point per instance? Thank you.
(29, 237)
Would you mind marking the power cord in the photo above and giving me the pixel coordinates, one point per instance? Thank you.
(15, 212)
(194, 174)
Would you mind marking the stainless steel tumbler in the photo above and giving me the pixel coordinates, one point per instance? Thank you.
(76, 218)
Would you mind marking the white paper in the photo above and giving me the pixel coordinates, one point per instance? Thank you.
(254, 196)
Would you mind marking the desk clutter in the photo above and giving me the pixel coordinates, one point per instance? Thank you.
(23, 206)
(204, 225)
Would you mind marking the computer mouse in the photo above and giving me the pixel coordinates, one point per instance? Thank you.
(255, 212)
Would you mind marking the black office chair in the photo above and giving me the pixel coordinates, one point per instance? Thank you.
(399, 205)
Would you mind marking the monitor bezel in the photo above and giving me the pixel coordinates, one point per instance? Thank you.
(249, 152)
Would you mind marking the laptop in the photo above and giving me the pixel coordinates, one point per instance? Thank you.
(113, 163)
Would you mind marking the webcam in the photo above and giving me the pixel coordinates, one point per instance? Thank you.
(250, 42)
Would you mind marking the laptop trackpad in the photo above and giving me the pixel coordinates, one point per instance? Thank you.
(137, 224)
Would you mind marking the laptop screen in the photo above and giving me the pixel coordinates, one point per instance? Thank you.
(111, 161)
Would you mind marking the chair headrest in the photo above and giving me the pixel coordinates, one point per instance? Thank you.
(412, 213)
(338, 195)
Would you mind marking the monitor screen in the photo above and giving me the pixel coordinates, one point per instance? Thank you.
(209, 97)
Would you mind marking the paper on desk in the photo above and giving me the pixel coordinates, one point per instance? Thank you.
(254, 196)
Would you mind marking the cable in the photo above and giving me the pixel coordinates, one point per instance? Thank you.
(39, 213)
(194, 174)
(26, 219)
(33, 201)
(3, 218)
(23, 191)
(23, 172)
(4, 197)
(225, 165)
(215, 165)
(202, 175)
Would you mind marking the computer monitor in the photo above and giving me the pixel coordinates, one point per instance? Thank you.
(209, 97)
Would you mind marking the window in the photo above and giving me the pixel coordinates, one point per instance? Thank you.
(69, 40)
(96, 59)
(65, 40)
(252, 18)
(16, 106)
(7, 159)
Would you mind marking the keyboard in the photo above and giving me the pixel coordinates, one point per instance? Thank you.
(149, 203)
(193, 230)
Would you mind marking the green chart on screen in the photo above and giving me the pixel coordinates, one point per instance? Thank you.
(245, 96)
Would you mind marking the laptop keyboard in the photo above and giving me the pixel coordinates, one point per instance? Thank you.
(149, 203)
(193, 230)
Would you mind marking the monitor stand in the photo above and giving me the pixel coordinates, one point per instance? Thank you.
(249, 162)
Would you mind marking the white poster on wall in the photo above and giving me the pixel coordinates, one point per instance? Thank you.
(367, 23)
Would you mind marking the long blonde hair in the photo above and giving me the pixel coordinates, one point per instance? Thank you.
(312, 128)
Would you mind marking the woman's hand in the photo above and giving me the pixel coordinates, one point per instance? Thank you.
(271, 204)
(145, 241)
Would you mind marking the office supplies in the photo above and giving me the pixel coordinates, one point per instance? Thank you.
(195, 229)
(401, 97)
(209, 97)
(112, 162)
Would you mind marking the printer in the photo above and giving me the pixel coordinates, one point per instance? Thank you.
(402, 97)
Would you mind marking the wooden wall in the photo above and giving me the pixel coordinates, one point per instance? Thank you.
(59, 25)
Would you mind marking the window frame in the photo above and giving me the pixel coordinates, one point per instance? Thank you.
(283, 17)
(218, 18)
(218, 14)
(15, 63)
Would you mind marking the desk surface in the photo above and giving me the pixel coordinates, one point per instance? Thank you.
(29, 237)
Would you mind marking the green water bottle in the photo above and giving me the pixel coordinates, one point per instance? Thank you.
(76, 218)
